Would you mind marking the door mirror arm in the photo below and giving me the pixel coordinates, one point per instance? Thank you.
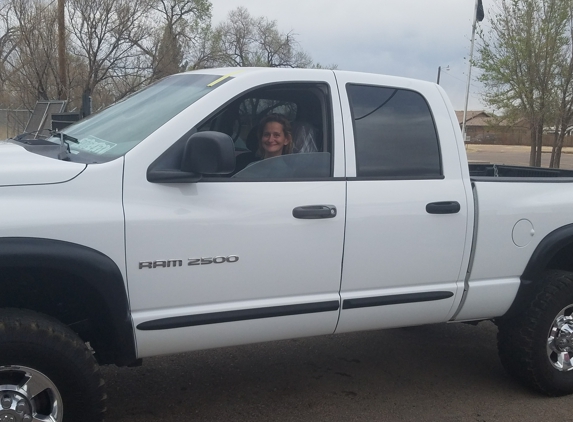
(172, 176)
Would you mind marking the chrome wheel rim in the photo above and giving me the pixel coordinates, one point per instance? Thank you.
(27, 395)
(560, 340)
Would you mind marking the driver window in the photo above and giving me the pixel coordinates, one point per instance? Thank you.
(282, 132)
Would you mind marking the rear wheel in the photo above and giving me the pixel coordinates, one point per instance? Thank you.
(46, 371)
(537, 346)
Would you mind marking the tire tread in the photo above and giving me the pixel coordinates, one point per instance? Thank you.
(33, 331)
(520, 338)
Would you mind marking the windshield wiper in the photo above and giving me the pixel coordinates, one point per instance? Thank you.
(64, 153)
(23, 137)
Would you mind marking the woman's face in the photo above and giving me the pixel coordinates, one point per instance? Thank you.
(274, 139)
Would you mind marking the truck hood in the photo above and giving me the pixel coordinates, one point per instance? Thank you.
(21, 167)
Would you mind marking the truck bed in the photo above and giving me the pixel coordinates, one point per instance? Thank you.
(486, 171)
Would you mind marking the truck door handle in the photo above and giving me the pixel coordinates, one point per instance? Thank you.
(314, 211)
(446, 207)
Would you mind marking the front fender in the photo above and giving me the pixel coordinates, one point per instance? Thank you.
(90, 269)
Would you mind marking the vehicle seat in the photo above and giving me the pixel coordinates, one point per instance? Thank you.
(245, 158)
(303, 137)
(252, 140)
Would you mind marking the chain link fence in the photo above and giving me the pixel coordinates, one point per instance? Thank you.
(13, 122)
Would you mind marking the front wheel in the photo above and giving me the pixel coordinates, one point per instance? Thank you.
(536, 347)
(46, 371)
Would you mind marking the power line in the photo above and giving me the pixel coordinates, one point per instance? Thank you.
(461, 80)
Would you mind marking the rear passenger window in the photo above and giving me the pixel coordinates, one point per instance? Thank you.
(394, 134)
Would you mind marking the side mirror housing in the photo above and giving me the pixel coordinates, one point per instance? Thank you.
(203, 153)
(209, 153)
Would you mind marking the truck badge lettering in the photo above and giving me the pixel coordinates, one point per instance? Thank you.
(175, 263)
(211, 260)
(170, 263)
(162, 263)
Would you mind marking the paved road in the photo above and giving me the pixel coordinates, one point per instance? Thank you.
(514, 155)
(446, 372)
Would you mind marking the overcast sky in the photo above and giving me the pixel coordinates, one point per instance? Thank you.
(408, 38)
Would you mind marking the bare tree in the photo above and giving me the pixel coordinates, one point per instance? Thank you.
(30, 63)
(7, 38)
(115, 47)
(104, 34)
(247, 41)
(203, 51)
(179, 31)
(184, 22)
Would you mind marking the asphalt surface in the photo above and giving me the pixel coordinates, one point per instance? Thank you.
(445, 372)
(515, 155)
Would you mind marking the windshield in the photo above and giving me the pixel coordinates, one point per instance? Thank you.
(117, 129)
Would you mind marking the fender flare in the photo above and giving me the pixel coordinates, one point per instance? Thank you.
(89, 266)
(545, 251)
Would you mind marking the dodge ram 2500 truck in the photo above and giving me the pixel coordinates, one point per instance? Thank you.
(153, 227)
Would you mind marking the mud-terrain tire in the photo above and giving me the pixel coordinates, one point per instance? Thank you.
(535, 346)
(46, 371)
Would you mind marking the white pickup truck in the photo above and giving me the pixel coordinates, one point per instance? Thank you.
(151, 228)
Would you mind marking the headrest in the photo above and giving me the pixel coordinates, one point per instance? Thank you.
(304, 137)
(252, 140)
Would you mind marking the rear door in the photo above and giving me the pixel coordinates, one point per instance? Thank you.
(407, 213)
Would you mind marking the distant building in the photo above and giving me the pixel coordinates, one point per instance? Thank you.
(484, 127)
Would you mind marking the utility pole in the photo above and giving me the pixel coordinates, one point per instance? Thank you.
(440, 71)
(478, 6)
(62, 51)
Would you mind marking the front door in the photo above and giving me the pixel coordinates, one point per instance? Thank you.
(224, 261)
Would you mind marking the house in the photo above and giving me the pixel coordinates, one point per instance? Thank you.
(484, 127)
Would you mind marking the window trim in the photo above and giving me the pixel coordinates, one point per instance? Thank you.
(268, 180)
(326, 101)
(419, 177)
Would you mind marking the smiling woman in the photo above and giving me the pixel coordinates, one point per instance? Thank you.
(275, 136)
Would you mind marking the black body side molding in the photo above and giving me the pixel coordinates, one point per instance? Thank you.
(369, 302)
(241, 315)
(288, 310)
